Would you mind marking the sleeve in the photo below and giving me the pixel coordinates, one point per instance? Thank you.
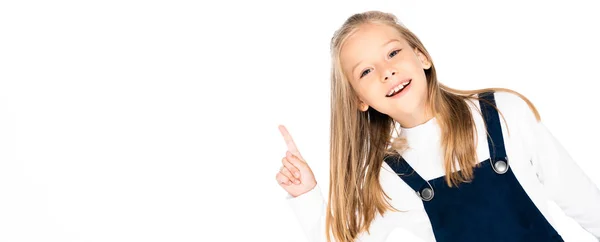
(310, 209)
(563, 180)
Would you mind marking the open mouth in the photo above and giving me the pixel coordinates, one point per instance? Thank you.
(399, 89)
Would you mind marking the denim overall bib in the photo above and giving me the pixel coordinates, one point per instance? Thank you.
(493, 207)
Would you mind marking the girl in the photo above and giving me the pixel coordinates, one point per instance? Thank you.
(448, 165)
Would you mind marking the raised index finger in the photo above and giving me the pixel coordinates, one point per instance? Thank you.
(289, 141)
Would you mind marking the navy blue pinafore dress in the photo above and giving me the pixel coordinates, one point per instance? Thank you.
(493, 207)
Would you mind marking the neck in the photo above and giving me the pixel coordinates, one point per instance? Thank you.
(410, 120)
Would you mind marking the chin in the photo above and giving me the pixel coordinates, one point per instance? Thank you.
(410, 103)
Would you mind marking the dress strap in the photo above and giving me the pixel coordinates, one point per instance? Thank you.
(422, 187)
(495, 139)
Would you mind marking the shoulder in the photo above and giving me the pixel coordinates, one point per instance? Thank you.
(517, 114)
(509, 102)
(400, 195)
(514, 105)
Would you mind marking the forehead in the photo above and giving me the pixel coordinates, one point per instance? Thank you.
(366, 41)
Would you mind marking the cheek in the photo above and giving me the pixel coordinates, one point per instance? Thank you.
(412, 63)
(420, 89)
(374, 96)
(361, 92)
(414, 67)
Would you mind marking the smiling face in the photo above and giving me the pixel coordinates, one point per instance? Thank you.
(377, 61)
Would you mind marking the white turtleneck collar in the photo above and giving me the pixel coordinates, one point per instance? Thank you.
(422, 134)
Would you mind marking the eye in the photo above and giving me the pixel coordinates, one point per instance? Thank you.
(395, 52)
(365, 72)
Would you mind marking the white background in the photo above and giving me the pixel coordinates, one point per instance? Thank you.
(157, 120)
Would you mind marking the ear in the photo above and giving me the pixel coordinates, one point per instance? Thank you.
(425, 63)
(362, 106)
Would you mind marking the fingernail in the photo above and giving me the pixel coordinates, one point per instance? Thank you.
(296, 174)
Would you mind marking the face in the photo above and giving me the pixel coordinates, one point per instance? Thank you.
(377, 59)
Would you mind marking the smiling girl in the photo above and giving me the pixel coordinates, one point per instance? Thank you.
(408, 152)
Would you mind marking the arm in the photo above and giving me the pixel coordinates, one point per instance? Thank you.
(563, 180)
(310, 209)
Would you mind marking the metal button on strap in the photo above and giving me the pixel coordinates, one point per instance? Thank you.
(426, 194)
(500, 166)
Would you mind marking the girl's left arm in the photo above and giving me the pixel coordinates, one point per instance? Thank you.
(563, 180)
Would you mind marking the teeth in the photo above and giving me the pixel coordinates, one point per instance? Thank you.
(398, 88)
(391, 92)
(395, 89)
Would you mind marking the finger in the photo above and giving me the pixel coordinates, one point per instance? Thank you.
(296, 161)
(282, 179)
(288, 174)
(289, 141)
(294, 170)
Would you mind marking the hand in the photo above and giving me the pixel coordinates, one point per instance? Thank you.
(295, 176)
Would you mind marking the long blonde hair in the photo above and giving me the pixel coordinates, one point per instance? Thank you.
(359, 141)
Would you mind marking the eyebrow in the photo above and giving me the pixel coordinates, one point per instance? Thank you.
(386, 43)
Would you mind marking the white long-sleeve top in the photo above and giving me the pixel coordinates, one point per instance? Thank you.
(543, 167)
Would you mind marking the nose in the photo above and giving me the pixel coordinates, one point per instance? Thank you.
(389, 74)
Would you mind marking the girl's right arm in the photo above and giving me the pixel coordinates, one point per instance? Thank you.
(304, 195)
(310, 210)
(306, 200)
